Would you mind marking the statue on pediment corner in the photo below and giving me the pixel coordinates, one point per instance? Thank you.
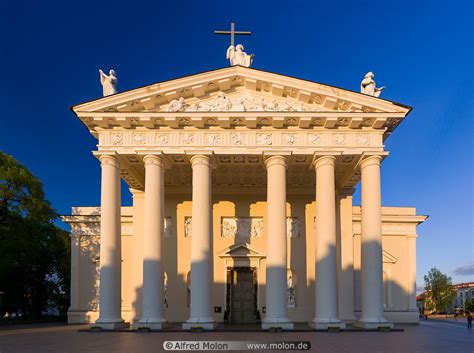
(109, 82)
(367, 86)
(237, 56)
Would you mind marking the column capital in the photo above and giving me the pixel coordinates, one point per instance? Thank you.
(324, 160)
(153, 159)
(106, 159)
(201, 159)
(370, 160)
(276, 160)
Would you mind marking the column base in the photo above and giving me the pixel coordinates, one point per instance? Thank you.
(326, 323)
(151, 323)
(282, 323)
(109, 325)
(372, 324)
(203, 323)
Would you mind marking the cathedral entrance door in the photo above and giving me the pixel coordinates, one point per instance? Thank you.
(242, 287)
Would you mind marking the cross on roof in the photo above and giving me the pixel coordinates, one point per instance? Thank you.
(233, 33)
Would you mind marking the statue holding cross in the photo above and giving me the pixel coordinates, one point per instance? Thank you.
(235, 53)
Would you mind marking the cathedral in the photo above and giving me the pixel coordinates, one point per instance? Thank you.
(242, 183)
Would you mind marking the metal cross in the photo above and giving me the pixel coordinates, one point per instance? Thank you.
(233, 33)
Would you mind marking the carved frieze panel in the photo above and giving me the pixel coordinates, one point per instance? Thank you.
(224, 138)
(241, 227)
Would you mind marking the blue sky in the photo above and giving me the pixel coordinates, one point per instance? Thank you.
(421, 50)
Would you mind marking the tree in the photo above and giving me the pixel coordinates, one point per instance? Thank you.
(468, 306)
(34, 252)
(439, 291)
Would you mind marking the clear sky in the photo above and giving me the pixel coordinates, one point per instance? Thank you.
(421, 50)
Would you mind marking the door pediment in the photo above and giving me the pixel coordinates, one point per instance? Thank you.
(240, 251)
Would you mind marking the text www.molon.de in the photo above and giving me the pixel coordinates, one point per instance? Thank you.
(236, 345)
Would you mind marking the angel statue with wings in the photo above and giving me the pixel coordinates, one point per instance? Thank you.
(237, 56)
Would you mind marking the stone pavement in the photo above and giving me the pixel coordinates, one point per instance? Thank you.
(428, 337)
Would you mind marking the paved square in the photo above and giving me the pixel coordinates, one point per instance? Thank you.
(431, 336)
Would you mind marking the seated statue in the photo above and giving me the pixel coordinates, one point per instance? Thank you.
(367, 86)
(237, 56)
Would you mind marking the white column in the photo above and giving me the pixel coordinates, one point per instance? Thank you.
(136, 281)
(110, 246)
(153, 310)
(345, 255)
(201, 246)
(325, 315)
(371, 246)
(276, 301)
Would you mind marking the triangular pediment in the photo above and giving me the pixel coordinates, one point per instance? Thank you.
(246, 89)
(244, 97)
(240, 250)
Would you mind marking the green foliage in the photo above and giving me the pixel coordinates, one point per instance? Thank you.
(468, 306)
(439, 291)
(34, 252)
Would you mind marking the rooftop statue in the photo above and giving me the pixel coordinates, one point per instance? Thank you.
(367, 86)
(237, 56)
(109, 82)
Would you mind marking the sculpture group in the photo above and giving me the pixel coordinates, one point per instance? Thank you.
(222, 103)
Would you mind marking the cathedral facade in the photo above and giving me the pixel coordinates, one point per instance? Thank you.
(242, 184)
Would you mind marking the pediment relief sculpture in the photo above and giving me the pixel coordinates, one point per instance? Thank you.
(238, 103)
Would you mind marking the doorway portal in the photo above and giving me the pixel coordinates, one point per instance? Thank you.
(242, 295)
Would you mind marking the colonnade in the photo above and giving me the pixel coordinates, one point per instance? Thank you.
(326, 296)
